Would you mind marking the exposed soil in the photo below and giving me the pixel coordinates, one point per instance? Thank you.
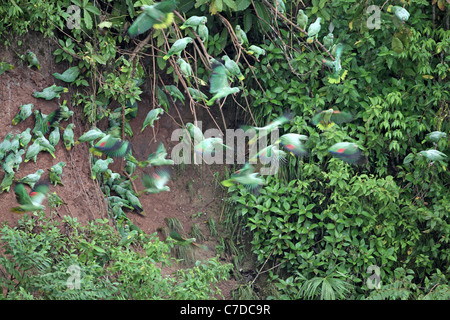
(195, 195)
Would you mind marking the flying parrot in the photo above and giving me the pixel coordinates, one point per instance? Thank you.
(156, 182)
(336, 64)
(32, 178)
(209, 145)
(151, 117)
(270, 153)
(158, 16)
(55, 173)
(327, 118)
(112, 147)
(275, 124)
(292, 143)
(157, 158)
(313, 30)
(70, 75)
(32, 60)
(44, 122)
(30, 202)
(245, 170)
(23, 113)
(68, 136)
(193, 22)
(51, 92)
(175, 235)
(250, 180)
(328, 40)
(232, 67)
(177, 47)
(346, 151)
(218, 83)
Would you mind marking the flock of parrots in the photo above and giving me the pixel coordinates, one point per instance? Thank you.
(30, 143)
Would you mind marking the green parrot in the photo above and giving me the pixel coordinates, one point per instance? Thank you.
(269, 154)
(116, 200)
(193, 22)
(218, 83)
(30, 202)
(100, 166)
(8, 162)
(155, 183)
(4, 66)
(51, 92)
(250, 180)
(232, 67)
(32, 151)
(70, 75)
(433, 155)
(209, 145)
(151, 117)
(18, 159)
(6, 182)
(130, 166)
(245, 170)
(194, 132)
(5, 145)
(256, 51)
(44, 122)
(157, 16)
(32, 178)
(134, 202)
(177, 47)
(435, 136)
(44, 144)
(400, 12)
(281, 6)
(203, 33)
(54, 136)
(292, 143)
(302, 19)
(327, 118)
(328, 40)
(55, 173)
(175, 235)
(25, 137)
(157, 158)
(175, 92)
(15, 143)
(23, 113)
(68, 136)
(241, 36)
(263, 131)
(185, 68)
(91, 135)
(313, 30)
(346, 151)
(65, 112)
(197, 95)
(32, 60)
(111, 146)
(336, 64)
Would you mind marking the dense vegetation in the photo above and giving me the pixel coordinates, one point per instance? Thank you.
(317, 227)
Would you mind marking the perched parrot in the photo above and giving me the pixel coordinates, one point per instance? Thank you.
(193, 22)
(91, 135)
(195, 132)
(30, 202)
(158, 16)
(197, 95)
(5, 145)
(232, 67)
(157, 158)
(250, 180)
(203, 33)
(134, 202)
(346, 151)
(54, 136)
(68, 136)
(15, 143)
(4, 66)
(44, 122)
(25, 137)
(209, 145)
(400, 12)
(336, 64)
(51, 92)
(328, 41)
(112, 147)
(175, 235)
(32, 178)
(281, 6)
(44, 144)
(32, 151)
(100, 166)
(433, 155)
(175, 92)
(313, 30)
(70, 75)
(23, 113)
(6, 182)
(55, 173)
(32, 60)
(327, 118)
(177, 47)
(156, 182)
(292, 143)
(256, 51)
(185, 68)
(302, 19)
(8, 162)
(241, 36)
(218, 83)
(435, 136)
(151, 117)
(18, 159)
(65, 112)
